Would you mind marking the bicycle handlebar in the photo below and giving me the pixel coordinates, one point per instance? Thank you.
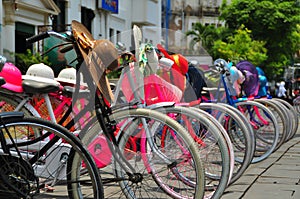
(38, 37)
(2, 61)
(47, 34)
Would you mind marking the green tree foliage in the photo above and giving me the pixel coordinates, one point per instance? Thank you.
(272, 21)
(204, 35)
(240, 46)
(24, 60)
(207, 35)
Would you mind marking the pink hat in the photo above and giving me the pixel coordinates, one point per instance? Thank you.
(13, 77)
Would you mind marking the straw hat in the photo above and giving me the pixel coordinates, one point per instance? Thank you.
(99, 55)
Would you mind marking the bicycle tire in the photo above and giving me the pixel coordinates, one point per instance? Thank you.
(281, 116)
(241, 135)
(67, 155)
(266, 135)
(217, 176)
(296, 105)
(294, 117)
(11, 102)
(157, 188)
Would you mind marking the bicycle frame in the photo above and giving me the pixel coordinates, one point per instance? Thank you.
(231, 101)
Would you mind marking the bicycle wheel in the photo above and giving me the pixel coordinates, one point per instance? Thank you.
(46, 161)
(13, 103)
(282, 119)
(293, 116)
(241, 135)
(296, 105)
(154, 171)
(265, 128)
(215, 150)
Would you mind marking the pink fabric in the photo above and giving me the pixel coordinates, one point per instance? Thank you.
(156, 90)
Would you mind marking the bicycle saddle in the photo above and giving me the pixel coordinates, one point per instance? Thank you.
(37, 87)
(70, 90)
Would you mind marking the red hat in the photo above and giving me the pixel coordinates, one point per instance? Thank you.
(180, 62)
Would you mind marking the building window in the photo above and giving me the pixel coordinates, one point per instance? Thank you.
(87, 16)
(59, 20)
(111, 35)
(118, 36)
(22, 32)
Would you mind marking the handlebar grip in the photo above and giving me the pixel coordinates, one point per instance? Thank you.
(36, 38)
(2, 61)
(66, 49)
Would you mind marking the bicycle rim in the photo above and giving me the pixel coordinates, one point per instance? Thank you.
(265, 128)
(153, 176)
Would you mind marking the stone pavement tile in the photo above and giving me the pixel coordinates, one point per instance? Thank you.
(296, 195)
(264, 164)
(237, 188)
(276, 154)
(279, 171)
(278, 180)
(291, 164)
(271, 191)
(287, 162)
(254, 171)
(232, 195)
(294, 150)
(245, 180)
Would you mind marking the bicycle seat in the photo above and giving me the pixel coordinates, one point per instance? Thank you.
(31, 86)
(69, 91)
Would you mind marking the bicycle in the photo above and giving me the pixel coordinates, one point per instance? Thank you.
(130, 77)
(33, 164)
(279, 111)
(262, 120)
(123, 170)
(40, 95)
(156, 90)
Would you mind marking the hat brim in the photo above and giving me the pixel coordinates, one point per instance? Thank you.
(40, 79)
(69, 81)
(12, 87)
(64, 80)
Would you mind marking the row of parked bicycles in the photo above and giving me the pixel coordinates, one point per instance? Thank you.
(150, 135)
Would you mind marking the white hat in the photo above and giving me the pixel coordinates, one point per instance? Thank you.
(68, 75)
(40, 73)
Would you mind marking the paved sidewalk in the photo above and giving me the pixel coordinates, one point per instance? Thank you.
(277, 177)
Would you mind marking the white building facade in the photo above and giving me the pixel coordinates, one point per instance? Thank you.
(112, 19)
(106, 19)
